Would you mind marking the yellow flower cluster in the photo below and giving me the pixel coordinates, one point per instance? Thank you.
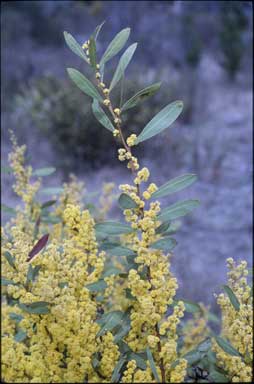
(22, 187)
(237, 325)
(129, 372)
(131, 140)
(56, 346)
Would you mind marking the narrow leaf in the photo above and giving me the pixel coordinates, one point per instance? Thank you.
(101, 116)
(92, 52)
(9, 258)
(16, 317)
(165, 244)
(112, 321)
(226, 346)
(116, 373)
(97, 30)
(115, 46)
(113, 228)
(74, 46)
(5, 281)
(111, 271)
(39, 308)
(44, 171)
(116, 249)
(20, 336)
(141, 96)
(190, 306)
(161, 121)
(48, 204)
(152, 365)
(84, 84)
(51, 190)
(97, 286)
(38, 247)
(232, 297)
(139, 358)
(179, 209)
(126, 202)
(175, 185)
(122, 65)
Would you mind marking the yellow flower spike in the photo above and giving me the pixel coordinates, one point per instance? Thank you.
(102, 85)
(117, 121)
(98, 75)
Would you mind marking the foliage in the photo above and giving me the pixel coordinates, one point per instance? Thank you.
(88, 299)
(233, 24)
(66, 118)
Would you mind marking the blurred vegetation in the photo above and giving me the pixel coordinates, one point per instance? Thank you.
(63, 114)
(232, 27)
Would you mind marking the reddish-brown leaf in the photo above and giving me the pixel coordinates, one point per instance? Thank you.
(38, 247)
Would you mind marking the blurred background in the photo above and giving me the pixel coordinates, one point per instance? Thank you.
(202, 52)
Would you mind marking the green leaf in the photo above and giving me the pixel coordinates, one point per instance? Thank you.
(97, 30)
(39, 308)
(205, 345)
(165, 244)
(52, 190)
(32, 273)
(212, 317)
(140, 359)
(9, 258)
(112, 320)
(162, 228)
(48, 204)
(152, 365)
(44, 171)
(192, 357)
(226, 346)
(7, 209)
(113, 228)
(126, 202)
(20, 336)
(141, 96)
(122, 65)
(175, 185)
(190, 306)
(179, 209)
(116, 45)
(98, 286)
(218, 377)
(117, 370)
(123, 329)
(84, 84)
(51, 220)
(161, 121)
(74, 46)
(5, 281)
(16, 317)
(111, 271)
(232, 297)
(173, 227)
(101, 116)
(115, 249)
(92, 52)
(6, 169)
